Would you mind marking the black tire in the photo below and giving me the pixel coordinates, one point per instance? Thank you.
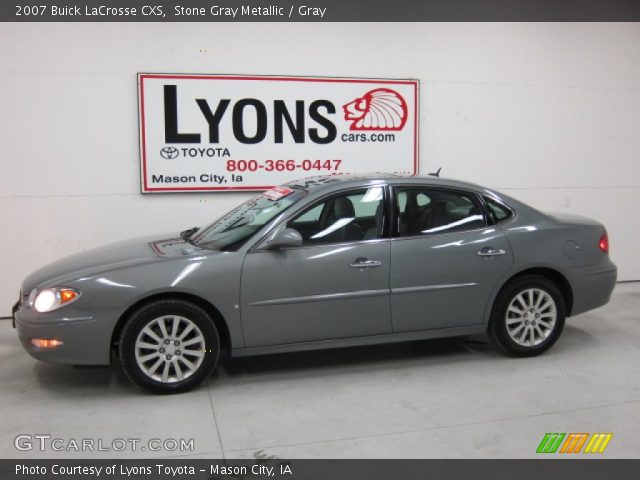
(499, 330)
(163, 311)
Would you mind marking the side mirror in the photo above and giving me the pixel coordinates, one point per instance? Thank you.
(285, 238)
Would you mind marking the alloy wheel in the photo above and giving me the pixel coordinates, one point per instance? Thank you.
(531, 317)
(170, 349)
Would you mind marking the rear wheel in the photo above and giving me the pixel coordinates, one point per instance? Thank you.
(528, 316)
(169, 346)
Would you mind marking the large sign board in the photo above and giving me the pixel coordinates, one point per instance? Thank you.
(233, 133)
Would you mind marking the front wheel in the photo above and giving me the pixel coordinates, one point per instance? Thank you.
(528, 316)
(169, 346)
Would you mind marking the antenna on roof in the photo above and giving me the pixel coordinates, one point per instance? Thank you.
(436, 173)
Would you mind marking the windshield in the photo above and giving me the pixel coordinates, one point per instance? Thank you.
(234, 228)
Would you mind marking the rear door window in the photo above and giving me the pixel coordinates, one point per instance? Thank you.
(429, 211)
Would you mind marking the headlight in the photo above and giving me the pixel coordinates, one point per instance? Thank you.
(53, 298)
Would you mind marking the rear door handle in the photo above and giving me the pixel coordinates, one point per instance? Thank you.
(491, 252)
(364, 263)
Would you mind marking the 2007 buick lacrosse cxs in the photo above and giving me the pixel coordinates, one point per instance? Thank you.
(320, 263)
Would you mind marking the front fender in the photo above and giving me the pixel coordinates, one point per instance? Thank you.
(107, 296)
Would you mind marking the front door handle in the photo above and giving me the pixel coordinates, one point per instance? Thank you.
(364, 263)
(491, 252)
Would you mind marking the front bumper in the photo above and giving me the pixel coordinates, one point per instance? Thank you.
(83, 343)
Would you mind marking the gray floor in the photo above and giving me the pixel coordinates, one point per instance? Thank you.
(436, 399)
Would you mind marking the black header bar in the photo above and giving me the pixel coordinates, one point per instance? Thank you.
(281, 469)
(319, 10)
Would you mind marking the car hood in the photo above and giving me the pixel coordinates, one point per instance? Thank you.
(110, 257)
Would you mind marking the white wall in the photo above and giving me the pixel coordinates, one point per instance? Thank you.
(548, 112)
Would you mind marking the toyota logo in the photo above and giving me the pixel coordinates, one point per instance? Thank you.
(169, 153)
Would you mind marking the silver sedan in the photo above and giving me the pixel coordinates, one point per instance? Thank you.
(324, 262)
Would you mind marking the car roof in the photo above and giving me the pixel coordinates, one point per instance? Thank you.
(329, 182)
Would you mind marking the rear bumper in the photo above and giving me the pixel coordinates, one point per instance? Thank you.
(83, 343)
(592, 287)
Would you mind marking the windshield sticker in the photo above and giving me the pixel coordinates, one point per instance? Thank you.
(168, 246)
(276, 193)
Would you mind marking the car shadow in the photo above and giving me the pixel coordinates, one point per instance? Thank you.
(575, 338)
(71, 381)
(83, 380)
(427, 353)
(393, 355)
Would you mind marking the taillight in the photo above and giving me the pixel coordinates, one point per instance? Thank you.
(604, 243)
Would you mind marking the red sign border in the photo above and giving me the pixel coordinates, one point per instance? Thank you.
(176, 76)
